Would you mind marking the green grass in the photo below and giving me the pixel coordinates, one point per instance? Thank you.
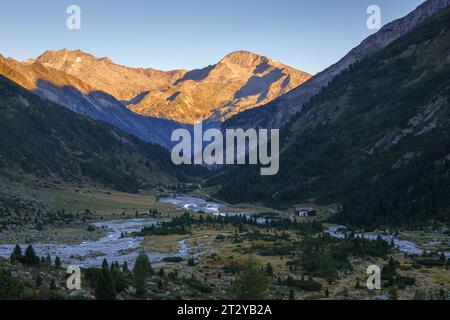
(78, 198)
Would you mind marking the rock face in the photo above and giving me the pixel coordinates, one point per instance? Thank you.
(240, 81)
(103, 75)
(278, 112)
(73, 93)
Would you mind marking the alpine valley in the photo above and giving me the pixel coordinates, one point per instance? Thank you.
(86, 176)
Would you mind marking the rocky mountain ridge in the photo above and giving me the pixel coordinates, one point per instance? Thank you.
(240, 81)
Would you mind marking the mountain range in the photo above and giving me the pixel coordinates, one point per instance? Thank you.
(149, 103)
(41, 138)
(239, 81)
(69, 91)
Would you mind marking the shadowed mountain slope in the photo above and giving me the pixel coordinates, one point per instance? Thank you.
(73, 93)
(376, 139)
(278, 112)
(39, 138)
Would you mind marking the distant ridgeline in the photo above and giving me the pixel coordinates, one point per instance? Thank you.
(376, 140)
(42, 139)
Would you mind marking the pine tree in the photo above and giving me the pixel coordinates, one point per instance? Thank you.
(30, 258)
(16, 255)
(125, 269)
(57, 262)
(105, 264)
(104, 286)
(114, 266)
(118, 279)
(191, 262)
(141, 271)
(48, 259)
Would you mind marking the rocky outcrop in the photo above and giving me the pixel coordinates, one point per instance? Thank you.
(122, 82)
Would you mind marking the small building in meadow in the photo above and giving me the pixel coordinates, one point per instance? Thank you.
(305, 212)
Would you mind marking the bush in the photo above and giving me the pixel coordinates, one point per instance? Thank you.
(173, 259)
(198, 285)
(305, 285)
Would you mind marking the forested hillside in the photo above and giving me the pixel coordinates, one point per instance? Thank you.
(42, 139)
(376, 140)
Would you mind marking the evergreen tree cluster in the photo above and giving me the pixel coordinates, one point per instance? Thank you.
(180, 224)
(30, 257)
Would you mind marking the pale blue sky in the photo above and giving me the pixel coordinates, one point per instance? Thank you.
(182, 34)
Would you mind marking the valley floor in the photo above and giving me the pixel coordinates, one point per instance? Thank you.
(205, 255)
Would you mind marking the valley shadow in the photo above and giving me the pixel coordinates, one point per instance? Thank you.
(259, 85)
(101, 106)
(136, 99)
(196, 75)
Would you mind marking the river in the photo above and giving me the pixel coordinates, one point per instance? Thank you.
(405, 246)
(210, 207)
(111, 246)
(197, 204)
